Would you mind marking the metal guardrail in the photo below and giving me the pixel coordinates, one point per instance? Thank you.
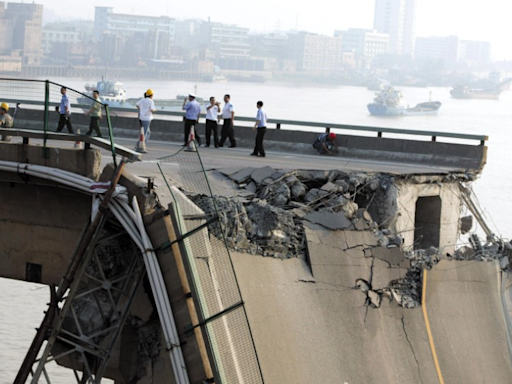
(28, 134)
(279, 123)
(47, 94)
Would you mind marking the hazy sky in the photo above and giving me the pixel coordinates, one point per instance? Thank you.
(488, 20)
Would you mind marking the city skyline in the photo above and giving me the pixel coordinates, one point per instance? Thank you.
(472, 21)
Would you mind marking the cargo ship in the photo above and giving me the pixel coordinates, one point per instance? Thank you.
(389, 102)
(466, 92)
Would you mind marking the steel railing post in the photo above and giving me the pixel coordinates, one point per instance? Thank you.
(111, 135)
(46, 113)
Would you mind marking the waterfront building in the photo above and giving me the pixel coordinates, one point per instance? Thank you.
(315, 53)
(50, 37)
(445, 48)
(228, 41)
(269, 45)
(397, 18)
(131, 38)
(106, 21)
(20, 27)
(187, 34)
(475, 53)
(364, 42)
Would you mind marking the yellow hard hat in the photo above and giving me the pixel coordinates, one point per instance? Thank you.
(4, 106)
(149, 92)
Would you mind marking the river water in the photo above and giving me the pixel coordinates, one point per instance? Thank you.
(22, 304)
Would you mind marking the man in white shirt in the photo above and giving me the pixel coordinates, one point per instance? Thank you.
(261, 126)
(228, 115)
(212, 114)
(146, 107)
(64, 110)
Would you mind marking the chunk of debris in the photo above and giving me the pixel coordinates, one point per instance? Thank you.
(375, 299)
(329, 219)
(242, 175)
(261, 174)
(363, 285)
(466, 223)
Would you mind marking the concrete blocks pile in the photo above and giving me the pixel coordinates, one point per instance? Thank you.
(268, 219)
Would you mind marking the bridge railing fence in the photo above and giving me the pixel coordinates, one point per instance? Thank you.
(48, 96)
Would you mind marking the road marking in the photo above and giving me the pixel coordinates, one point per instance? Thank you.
(429, 331)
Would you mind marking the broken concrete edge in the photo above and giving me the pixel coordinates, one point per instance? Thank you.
(271, 223)
(327, 198)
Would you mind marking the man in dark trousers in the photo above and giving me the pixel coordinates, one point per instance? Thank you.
(64, 110)
(212, 115)
(261, 126)
(228, 115)
(95, 113)
(192, 110)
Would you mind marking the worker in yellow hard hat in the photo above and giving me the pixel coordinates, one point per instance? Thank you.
(6, 121)
(146, 107)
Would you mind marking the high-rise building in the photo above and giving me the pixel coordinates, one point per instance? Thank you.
(397, 18)
(20, 27)
(364, 42)
(228, 41)
(106, 21)
(315, 53)
(475, 53)
(269, 45)
(137, 36)
(445, 48)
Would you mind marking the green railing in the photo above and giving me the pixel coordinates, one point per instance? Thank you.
(50, 100)
(47, 94)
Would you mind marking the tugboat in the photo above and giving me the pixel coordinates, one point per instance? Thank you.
(111, 92)
(389, 102)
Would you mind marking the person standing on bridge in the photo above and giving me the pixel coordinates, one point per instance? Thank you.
(6, 121)
(95, 113)
(146, 107)
(193, 109)
(261, 126)
(228, 115)
(64, 110)
(212, 114)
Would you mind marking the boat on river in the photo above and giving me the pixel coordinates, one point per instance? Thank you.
(114, 94)
(111, 92)
(389, 102)
(490, 92)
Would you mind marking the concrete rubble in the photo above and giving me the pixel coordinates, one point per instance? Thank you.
(406, 291)
(267, 220)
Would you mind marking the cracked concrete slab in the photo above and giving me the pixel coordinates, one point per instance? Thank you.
(316, 232)
(383, 274)
(261, 174)
(242, 175)
(393, 256)
(321, 254)
(361, 238)
(463, 304)
(329, 219)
